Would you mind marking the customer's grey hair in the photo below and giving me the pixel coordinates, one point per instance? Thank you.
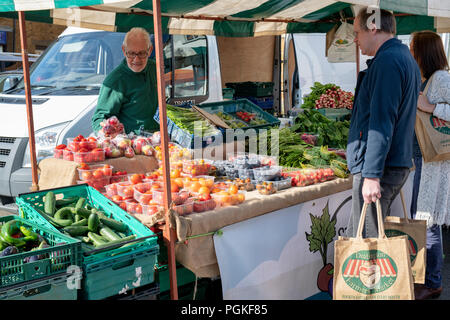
(136, 31)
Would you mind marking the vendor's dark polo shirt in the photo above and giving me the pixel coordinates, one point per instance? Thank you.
(129, 95)
(384, 112)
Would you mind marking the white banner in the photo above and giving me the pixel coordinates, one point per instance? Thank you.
(287, 254)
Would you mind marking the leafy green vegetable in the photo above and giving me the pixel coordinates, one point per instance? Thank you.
(323, 230)
(309, 102)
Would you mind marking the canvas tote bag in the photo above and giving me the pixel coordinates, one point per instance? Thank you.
(433, 134)
(416, 231)
(372, 268)
(342, 48)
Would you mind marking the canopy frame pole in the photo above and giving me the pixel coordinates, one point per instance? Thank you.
(169, 233)
(28, 100)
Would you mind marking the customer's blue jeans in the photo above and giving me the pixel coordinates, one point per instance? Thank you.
(433, 277)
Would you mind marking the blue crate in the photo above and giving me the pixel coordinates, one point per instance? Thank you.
(183, 138)
(264, 103)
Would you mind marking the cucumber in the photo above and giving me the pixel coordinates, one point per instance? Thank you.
(80, 203)
(82, 222)
(64, 213)
(93, 222)
(76, 230)
(65, 202)
(107, 233)
(116, 242)
(85, 213)
(55, 222)
(50, 203)
(114, 224)
(96, 239)
(78, 217)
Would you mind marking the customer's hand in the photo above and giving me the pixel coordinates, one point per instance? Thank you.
(371, 190)
(424, 105)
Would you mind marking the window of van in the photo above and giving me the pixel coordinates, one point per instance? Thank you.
(79, 60)
(186, 74)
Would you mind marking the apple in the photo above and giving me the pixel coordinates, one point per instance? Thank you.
(129, 152)
(124, 143)
(115, 153)
(147, 150)
(108, 152)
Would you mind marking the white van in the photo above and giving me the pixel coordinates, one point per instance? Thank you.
(65, 83)
(66, 79)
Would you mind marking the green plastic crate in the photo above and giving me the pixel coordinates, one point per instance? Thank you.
(335, 114)
(112, 276)
(231, 107)
(29, 201)
(64, 251)
(184, 276)
(228, 93)
(249, 88)
(52, 288)
(95, 265)
(146, 292)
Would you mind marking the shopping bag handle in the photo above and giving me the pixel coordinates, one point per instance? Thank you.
(402, 197)
(381, 233)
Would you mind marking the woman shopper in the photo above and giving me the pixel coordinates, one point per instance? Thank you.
(431, 190)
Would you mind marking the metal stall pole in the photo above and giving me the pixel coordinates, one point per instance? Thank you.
(26, 77)
(169, 233)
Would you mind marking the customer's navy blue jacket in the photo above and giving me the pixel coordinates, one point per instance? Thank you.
(384, 112)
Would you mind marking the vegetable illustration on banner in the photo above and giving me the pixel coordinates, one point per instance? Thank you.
(323, 231)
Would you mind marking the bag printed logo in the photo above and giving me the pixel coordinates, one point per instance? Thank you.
(369, 271)
(440, 125)
(413, 248)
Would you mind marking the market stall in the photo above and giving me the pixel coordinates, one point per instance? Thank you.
(185, 227)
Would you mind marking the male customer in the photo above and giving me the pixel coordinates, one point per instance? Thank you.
(379, 150)
(129, 91)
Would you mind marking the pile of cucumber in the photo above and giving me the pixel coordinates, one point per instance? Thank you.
(75, 217)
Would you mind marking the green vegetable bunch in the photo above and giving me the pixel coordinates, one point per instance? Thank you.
(331, 133)
(309, 102)
(187, 119)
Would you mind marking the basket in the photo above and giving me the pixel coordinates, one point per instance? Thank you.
(265, 103)
(227, 93)
(339, 114)
(233, 106)
(186, 139)
(109, 277)
(57, 257)
(50, 288)
(29, 201)
(249, 88)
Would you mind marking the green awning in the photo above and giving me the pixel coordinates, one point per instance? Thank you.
(233, 18)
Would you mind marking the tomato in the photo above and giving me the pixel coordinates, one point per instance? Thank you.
(107, 170)
(116, 198)
(135, 178)
(84, 166)
(92, 139)
(61, 146)
(174, 187)
(98, 174)
(86, 175)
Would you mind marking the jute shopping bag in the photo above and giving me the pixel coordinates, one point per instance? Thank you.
(372, 268)
(416, 232)
(433, 135)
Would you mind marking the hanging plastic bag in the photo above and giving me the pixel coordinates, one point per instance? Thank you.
(343, 48)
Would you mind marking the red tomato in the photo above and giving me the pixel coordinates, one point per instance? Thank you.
(135, 178)
(107, 170)
(98, 174)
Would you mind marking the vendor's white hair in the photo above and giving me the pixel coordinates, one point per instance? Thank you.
(135, 32)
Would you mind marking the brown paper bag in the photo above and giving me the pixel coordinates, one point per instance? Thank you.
(433, 135)
(416, 231)
(372, 268)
